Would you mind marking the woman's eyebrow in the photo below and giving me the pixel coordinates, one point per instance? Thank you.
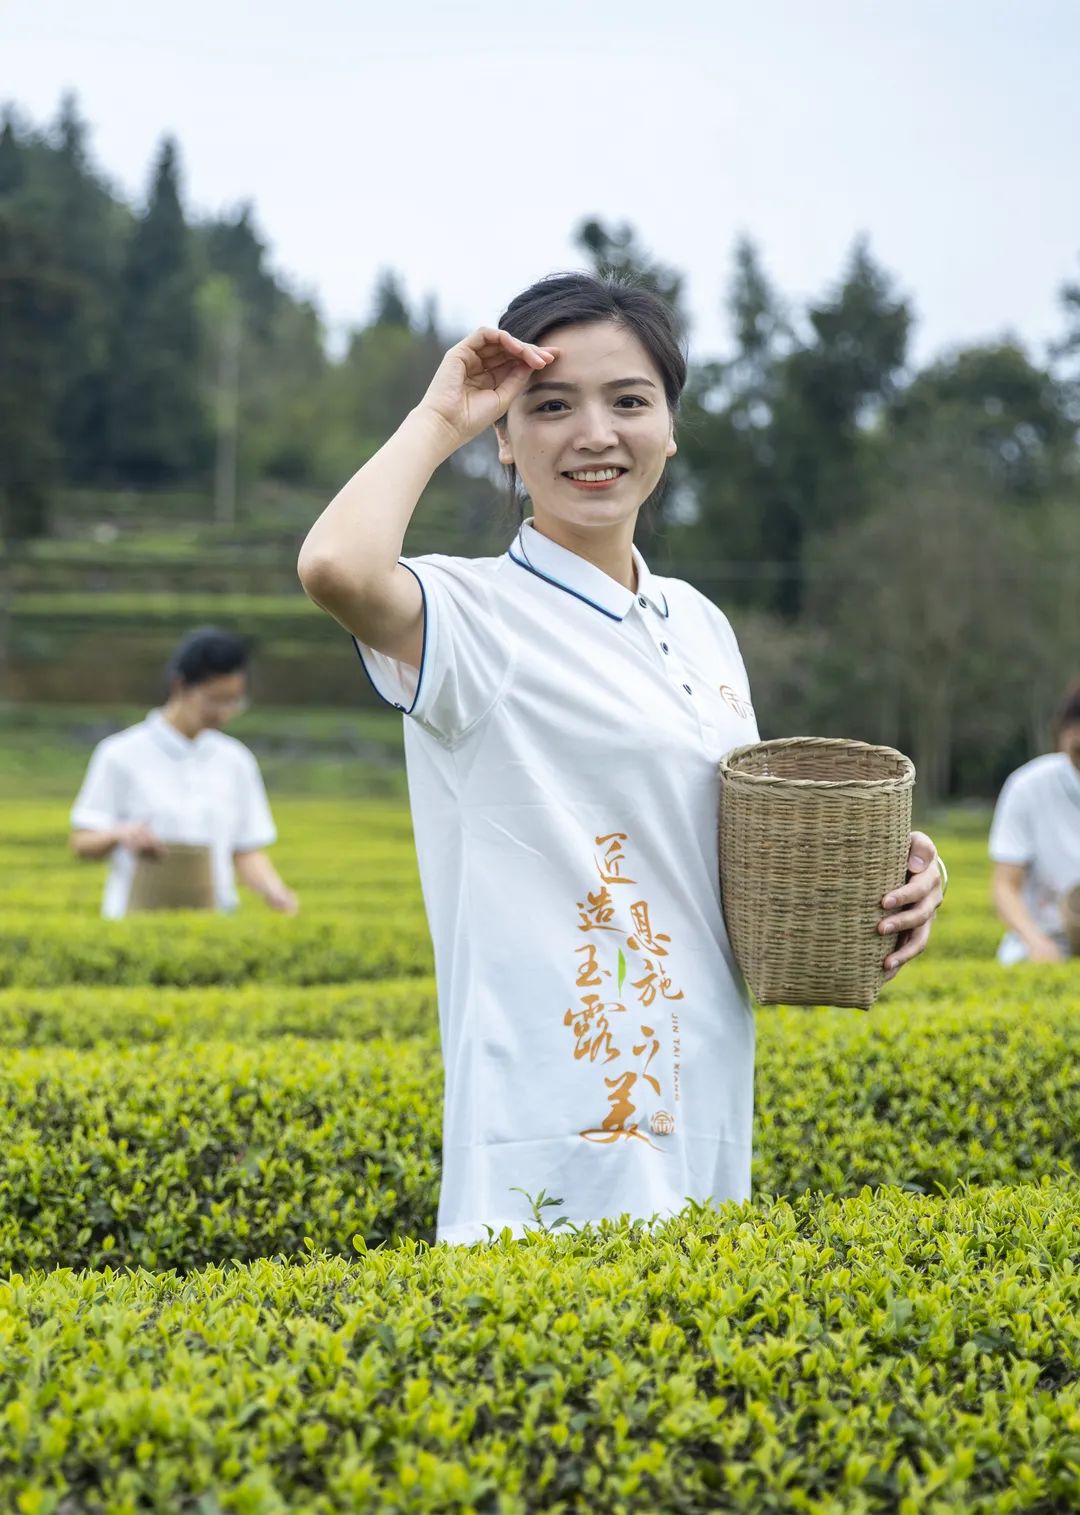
(612, 384)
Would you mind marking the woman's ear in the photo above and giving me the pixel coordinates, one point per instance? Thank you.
(672, 446)
(502, 436)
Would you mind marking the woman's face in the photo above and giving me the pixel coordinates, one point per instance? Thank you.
(215, 701)
(598, 408)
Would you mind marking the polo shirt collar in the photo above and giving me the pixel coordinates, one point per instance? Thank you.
(174, 742)
(569, 571)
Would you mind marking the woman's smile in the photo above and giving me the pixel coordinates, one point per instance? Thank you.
(594, 478)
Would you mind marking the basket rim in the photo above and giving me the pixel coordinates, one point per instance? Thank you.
(729, 771)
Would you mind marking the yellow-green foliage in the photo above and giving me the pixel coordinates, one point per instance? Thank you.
(81, 1016)
(190, 948)
(84, 1017)
(884, 1353)
(898, 1334)
(176, 1155)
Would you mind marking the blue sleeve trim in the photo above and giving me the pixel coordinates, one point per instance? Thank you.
(394, 705)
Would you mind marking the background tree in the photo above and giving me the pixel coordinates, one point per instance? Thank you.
(391, 308)
(829, 395)
(726, 460)
(160, 431)
(1008, 414)
(86, 238)
(36, 297)
(615, 251)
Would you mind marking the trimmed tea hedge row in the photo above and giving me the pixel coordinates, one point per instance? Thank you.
(369, 898)
(263, 617)
(885, 1353)
(982, 984)
(83, 1016)
(194, 948)
(180, 1155)
(175, 1157)
(383, 937)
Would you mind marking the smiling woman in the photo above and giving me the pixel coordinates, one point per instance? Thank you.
(609, 414)
(568, 711)
(595, 433)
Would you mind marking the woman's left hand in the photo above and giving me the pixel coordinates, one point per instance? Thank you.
(910, 909)
(281, 898)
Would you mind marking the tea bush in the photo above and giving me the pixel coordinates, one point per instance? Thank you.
(882, 1353)
(252, 1106)
(175, 1155)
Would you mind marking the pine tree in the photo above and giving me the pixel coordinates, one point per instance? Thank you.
(160, 430)
(86, 242)
(614, 251)
(390, 308)
(35, 299)
(232, 246)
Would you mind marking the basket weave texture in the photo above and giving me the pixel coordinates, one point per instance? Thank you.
(813, 832)
(1071, 911)
(181, 880)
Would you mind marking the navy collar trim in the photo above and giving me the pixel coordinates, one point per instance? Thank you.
(620, 591)
(524, 563)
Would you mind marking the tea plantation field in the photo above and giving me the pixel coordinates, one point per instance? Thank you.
(219, 1166)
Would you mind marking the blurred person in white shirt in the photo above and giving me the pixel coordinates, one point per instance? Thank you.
(175, 777)
(1035, 844)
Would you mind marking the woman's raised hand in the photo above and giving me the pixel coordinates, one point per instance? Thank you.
(478, 378)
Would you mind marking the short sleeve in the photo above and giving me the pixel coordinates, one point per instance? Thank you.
(1011, 834)
(99, 804)
(254, 825)
(743, 678)
(733, 679)
(466, 654)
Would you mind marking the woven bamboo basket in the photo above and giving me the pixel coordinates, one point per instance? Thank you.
(813, 833)
(183, 879)
(1070, 909)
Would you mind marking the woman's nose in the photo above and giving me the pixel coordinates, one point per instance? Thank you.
(596, 429)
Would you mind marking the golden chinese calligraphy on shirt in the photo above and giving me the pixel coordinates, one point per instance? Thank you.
(608, 1023)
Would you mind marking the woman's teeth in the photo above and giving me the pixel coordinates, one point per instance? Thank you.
(596, 475)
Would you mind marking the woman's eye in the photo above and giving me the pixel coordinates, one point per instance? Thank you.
(624, 402)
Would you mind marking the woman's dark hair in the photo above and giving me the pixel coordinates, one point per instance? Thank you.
(208, 653)
(1067, 712)
(579, 299)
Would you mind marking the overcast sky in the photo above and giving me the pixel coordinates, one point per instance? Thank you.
(461, 144)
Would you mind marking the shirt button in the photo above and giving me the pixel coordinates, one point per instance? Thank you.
(663, 647)
(642, 601)
(688, 689)
(399, 707)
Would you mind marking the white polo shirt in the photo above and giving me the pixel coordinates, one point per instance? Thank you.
(205, 792)
(562, 756)
(1037, 823)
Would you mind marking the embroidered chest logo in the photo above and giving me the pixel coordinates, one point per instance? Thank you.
(601, 1022)
(734, 701)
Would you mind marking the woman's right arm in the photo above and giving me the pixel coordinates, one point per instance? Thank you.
(348, 563)
(97, 844)
(1010, 906)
